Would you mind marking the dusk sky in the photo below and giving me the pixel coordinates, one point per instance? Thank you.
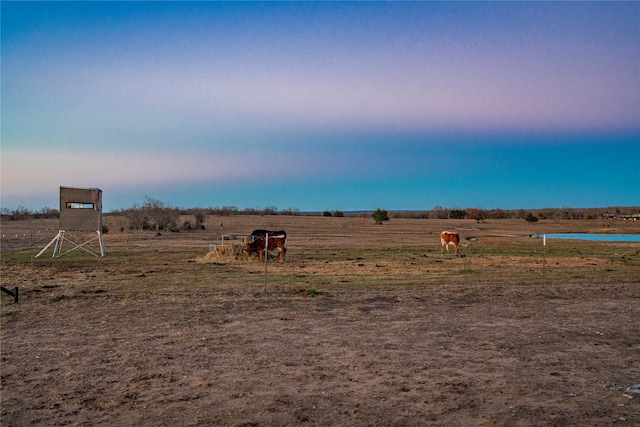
(322, 106)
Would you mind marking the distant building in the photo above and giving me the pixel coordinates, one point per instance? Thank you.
(632, 217)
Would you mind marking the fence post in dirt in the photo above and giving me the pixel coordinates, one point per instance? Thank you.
(266, 259)
(544, 257)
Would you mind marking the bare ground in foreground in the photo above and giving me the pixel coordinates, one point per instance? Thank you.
(362, 325)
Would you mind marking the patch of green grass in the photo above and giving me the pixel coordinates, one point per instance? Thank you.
(63, 297)
(313, 293)
(58, 298)
(305, 292)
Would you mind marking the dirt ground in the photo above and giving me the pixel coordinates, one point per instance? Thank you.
(362, 325)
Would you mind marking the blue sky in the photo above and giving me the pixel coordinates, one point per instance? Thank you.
(329, 105)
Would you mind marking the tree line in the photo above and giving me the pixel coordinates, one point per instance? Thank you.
(479, 214)
(21, 213)
(153, 214)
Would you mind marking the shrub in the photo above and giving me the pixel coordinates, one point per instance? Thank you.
(476, 214)
(380, 216)
(458, 213)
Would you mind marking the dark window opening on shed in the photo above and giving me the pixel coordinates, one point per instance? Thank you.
(79, 205)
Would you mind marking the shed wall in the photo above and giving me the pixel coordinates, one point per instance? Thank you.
(80, 209)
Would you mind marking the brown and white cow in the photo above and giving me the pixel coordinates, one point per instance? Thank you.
(257, 245)
(449, 238)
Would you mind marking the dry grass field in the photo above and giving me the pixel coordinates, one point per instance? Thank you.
(362, 325)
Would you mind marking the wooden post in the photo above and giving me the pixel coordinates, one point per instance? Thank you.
(266, 259)
(544, 257)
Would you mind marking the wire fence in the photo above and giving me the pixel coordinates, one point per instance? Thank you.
(20, 240)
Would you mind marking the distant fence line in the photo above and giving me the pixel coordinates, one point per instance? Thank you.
(26, 239)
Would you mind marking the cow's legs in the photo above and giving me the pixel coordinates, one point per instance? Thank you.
(261, 255)
(446, 245)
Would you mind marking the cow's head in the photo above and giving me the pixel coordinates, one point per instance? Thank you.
(255, 246)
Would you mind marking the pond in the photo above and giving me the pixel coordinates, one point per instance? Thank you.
(592, 237)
